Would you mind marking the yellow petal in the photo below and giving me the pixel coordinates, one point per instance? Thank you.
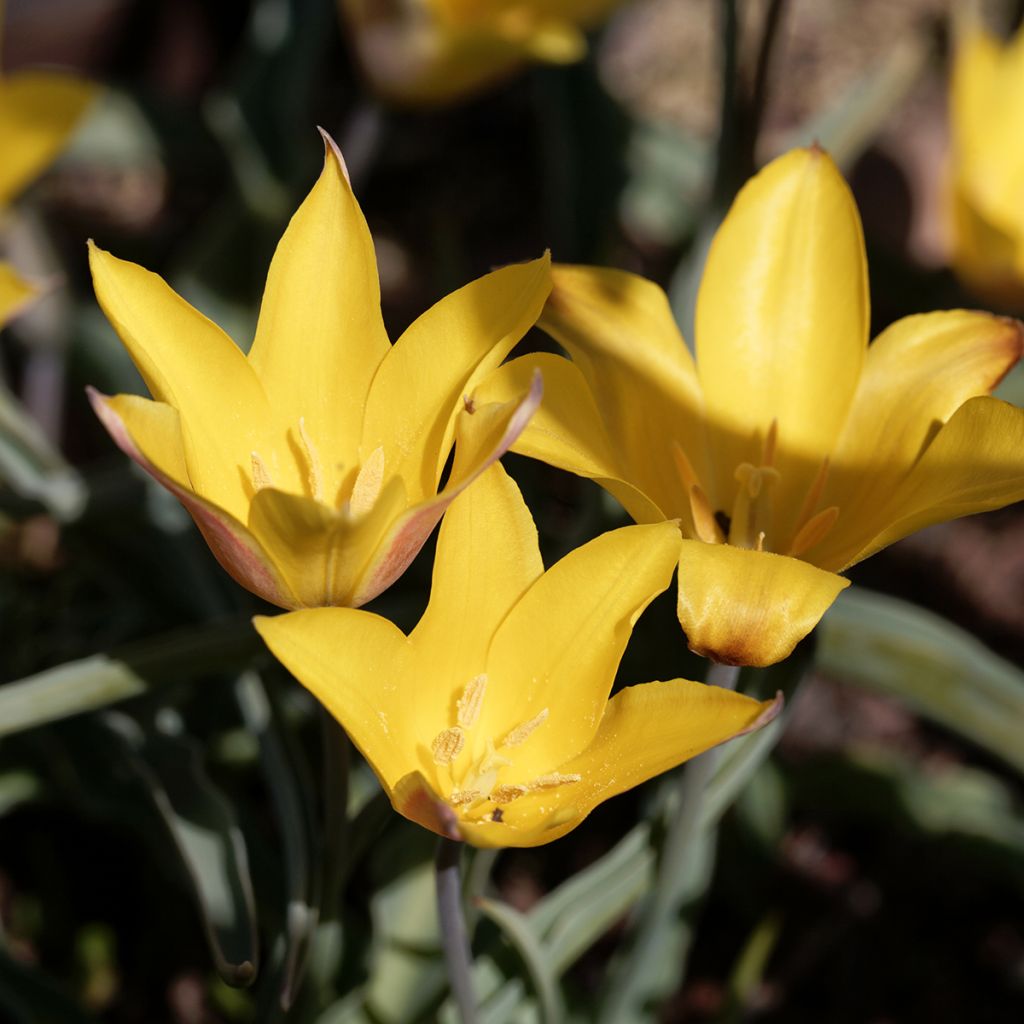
(645, 730)
(975, 463)
(782, 312)
(320, 336)
(38, 112)
(487, 556)
(918, 373)
(560, 646)
(353, 663)
(743, 607)
(141, 428)
(419, 389)
(190, 364)
(620, 332)
(499, 426)
(323, 552)
(15, 293)
(567, 430)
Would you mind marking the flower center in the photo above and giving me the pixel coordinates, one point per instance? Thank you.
(478, 786)
(750, 521)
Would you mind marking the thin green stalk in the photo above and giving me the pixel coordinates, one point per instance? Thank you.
(454, 938)
(662, 903)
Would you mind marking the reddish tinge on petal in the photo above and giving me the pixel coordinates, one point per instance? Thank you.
(231, 543)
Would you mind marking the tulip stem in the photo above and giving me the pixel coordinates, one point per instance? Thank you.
(454, 939)
(629, 979)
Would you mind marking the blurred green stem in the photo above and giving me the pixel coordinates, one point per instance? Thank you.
(454, 938)
(684, 830)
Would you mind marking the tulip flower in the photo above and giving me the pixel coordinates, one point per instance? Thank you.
(986, 173)
(790, 450)
(435, 51)
(491, 721)
(312, 465)
(38, 112)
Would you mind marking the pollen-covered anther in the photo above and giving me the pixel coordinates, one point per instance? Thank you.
(506, 794)
(448, 745)
(472, 700)
(554, 779)
(522, 731)
(461, 797)
(369, 481)
(260, 473)
(314, 477)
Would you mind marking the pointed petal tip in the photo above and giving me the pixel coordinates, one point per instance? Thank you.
(771, 710)
(331, 147)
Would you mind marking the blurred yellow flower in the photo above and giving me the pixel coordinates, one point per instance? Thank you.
(491, 721)
(312, 465)
(15, 293)
(434, 51)
(790, 450)
(38, 112)
(986, 173)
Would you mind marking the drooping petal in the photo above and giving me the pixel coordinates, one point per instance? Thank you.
(975, 463)
(499, 426)
(191, 365)
(487, 556)
(320, 336)
(744, 607)
(567, 430)
(354, 663)
(620, 332)
(15, 293)
(38, 112)
(918, 373)
(418, 390)
(782, 312)
(557, 652)
(324, 552)
(645, 730)
(234, 547)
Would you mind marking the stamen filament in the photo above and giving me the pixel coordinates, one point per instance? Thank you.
(315, 479)
(814, 531)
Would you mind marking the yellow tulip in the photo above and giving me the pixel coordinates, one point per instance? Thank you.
(790, 449)
(38, 112)
(434, 51)
(491, 721)
(312, 465)
(986, 173)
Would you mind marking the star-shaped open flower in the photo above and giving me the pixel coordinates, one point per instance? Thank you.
(491, 721)
(435, 51)
(791, 449)
(312, 465)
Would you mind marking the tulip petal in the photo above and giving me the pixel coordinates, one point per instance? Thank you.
(190, 364)
(324, 552)
(645, 730)
(620, 332)
(567, 430)
(418, 390)
(918, 373)
(487, 557)
(782, 312)
(15, 293)
(158, 427)
(557, 652)
(320, 336)
(495, 428)
(38, 112)
(354, 663)
(975, 463)
(743, 607)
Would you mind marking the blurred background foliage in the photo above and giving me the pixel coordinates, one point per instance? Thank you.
(185, 836)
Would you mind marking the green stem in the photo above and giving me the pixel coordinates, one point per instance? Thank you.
(662, 903)
(454, 939)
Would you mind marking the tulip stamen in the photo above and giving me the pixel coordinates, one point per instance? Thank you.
(471, 701)
(751, 508)
(260, 473)
(369, 480)
(553, 779)
(520, 733)
(447, 745)
(704, 518)
(813, 531)
(314, 477)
